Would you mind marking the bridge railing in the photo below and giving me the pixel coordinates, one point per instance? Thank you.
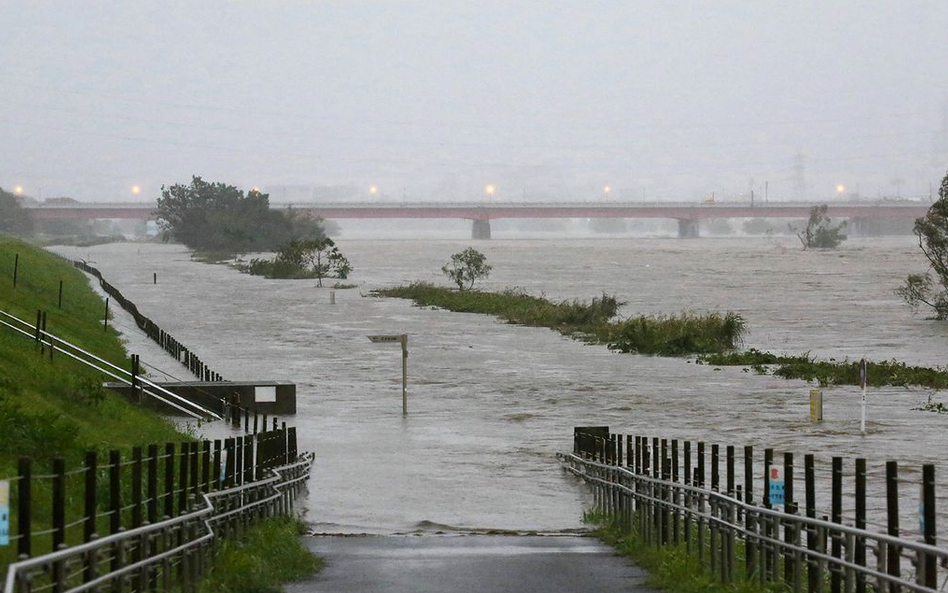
(657, 497)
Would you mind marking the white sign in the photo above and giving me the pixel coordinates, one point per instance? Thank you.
(265, 394)
(386, 338)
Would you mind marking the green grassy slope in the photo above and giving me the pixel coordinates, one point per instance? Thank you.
(57, 408)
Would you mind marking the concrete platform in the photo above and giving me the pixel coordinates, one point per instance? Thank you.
(469, 563)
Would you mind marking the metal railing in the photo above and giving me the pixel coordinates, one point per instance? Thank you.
(168, 554)
(740, 540)
(56, 344)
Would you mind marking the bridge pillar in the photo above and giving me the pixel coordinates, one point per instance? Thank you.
(688, 229)
(481, 229)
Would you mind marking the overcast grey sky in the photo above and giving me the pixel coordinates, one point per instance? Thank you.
(433, 100)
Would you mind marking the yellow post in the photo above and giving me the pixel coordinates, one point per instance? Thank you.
(816, 405)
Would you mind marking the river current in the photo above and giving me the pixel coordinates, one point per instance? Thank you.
(491, 403)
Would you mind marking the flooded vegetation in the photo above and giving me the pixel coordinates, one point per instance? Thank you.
(667, 335)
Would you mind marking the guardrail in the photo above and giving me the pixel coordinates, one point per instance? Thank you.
(219, 491)
(658, 497)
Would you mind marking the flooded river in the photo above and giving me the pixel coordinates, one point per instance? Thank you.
(491, 403)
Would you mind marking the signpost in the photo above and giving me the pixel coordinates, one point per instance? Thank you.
(403, 340)
(4, 512)
(862, 383)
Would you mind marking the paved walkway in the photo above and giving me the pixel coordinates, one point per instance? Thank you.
(474, 563)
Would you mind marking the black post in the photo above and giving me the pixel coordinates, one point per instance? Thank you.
(750, 556)
(892, 515)
(169, 480)
(928, 524)
(183, 477)
(59, 503)
(238, 460)
(216, 478)
(60, 294)
(813, 584)
(836, 516)
(16, 268)
(154, 277)
(194, 468)
(248, 460)
(152, 483)
(206, 462)
(768, 564)
(24, 507)
(860, 521)
(105, 320)
(115, 491)
(89, 527)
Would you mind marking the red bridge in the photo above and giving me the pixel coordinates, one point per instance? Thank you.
(688, 215)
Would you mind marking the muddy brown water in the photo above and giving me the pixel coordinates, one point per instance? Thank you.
(491, 403)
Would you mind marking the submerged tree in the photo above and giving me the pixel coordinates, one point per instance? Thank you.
(932, 233)
(820, 233)
(466, 267)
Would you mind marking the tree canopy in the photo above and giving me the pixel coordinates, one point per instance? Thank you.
(208, 216)
(14, 219)
(466, 267)
(820, 233)
(931, 288)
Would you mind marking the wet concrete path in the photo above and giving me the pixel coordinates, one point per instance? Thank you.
(475, 563)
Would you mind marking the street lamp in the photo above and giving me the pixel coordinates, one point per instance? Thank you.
(840, 188)
(136, 189)
(18, 190)
(606, 190)
(255, 189)
(490, 190)
(373, 190)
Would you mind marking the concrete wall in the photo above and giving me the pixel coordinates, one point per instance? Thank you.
(265, 397)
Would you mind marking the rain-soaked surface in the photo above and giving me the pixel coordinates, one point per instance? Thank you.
(491, 403)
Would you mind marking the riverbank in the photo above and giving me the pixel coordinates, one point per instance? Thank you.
(672, 335)
(56, 408)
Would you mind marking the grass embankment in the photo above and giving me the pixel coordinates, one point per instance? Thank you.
(267, 555)
(671, 568)
(593, 321)
(58, 408)
(831, 372)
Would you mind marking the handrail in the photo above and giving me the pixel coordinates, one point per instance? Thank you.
(279, 481)
(659, 508)
(55, 341)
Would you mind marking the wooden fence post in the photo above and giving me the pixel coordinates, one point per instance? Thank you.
(892, 520)
(24, 507)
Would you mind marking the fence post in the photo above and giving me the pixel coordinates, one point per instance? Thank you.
(59, 520)
(183, 478)
(728, 561)
(60, 294)
(89, 526)
(836, 516)
(206, 463)
(24, 507)
(892, 520)
(238, 460)
(16, 268)
(152, 505)
(813, 582)
(248, 460)
(216, 478)
(676, 493)
(750, 558)
(770, 568)
(928, 564)
(790, 508)
(686, 466)
(115, 502)
(715, 488)
(169, 480)
(699, 474)
(59, 503)
(861, 521)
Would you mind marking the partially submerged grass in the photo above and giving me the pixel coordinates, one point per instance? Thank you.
(268, 555)
(831, 372)
(592, 321)
(671, 568)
